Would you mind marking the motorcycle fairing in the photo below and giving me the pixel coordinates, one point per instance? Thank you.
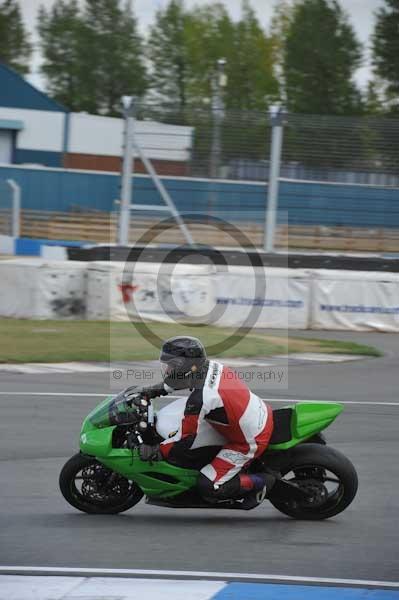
(164, 480)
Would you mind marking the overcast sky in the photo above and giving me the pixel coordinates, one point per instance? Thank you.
(361, 12)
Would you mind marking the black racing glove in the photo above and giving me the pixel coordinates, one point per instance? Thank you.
(150, 453)
(134, 394)
(154, 391)
(130, 394)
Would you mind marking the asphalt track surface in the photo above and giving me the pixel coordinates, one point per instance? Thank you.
(39, 433)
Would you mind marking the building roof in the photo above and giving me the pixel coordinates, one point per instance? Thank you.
(16, 92)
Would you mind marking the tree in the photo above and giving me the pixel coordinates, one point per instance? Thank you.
(251, 83)
(373, 100)
(92, 57)
(321, 55)
(279, 26)
(385, 44)
(167, 50)
(15, 49)
(118, 51)
(210, 37)
(184, 47)
(64, 41)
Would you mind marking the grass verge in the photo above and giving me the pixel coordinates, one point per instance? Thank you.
(63, 341)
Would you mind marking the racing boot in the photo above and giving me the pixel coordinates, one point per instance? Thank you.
(246, 490)
(254, 489)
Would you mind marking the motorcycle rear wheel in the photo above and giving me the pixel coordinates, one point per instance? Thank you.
(311, 465)
(96, 496)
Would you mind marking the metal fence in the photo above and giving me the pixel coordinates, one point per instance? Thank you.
(360, 155)
(236, 145)
(338, 183)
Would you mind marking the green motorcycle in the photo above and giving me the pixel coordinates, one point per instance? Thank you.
(108, 476)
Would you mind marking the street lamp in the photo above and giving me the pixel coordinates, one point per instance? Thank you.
(128, 105)
(219, 82)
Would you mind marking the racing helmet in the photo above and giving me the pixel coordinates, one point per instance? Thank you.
(182, 357)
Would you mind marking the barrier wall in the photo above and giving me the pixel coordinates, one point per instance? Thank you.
(276, 298)
(37, 289)
(151, 291)
(355, 301)
(236, 297)
(264, 297)
(300, 202)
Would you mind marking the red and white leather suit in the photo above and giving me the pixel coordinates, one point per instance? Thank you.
(243, 419)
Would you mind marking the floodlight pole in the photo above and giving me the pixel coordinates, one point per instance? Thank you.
(277, 119)
(218, 83)
(127, 174)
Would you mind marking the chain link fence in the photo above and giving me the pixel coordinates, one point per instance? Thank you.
(339, 176)
(338, 183)
(362, 150)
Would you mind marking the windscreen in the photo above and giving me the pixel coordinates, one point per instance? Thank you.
(113, 411)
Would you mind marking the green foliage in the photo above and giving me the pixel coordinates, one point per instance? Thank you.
(373, 99)
(184, 47)
(167, 49)
(210, 36)
(15, 49)
(385, 43)
(321, 55)
(117, 48)
(92, 57)
(252, 83)
(280, 23)
(64, 39)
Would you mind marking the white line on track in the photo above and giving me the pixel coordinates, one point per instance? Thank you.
(204, 575)
(78, 394)
(361, 402)
(283, 400)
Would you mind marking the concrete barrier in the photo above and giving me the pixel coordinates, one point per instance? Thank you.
(230, 296)
(38, 289)
(356, 301)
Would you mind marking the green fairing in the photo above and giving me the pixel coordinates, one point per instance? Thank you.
(161, 479)
(96, 440)
(308, 419)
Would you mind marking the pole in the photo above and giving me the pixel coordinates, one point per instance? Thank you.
(165, 196)
(274, 175)
(218, 83)
(127, 171)
(16, 208)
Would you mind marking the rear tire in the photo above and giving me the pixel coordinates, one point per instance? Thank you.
(122, 496)
(320, 458)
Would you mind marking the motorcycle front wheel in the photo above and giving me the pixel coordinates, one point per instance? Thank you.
(89, 486)
(328, 477)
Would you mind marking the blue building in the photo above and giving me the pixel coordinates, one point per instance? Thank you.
(33, 127)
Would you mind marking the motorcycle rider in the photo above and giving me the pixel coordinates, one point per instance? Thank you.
(220, 397)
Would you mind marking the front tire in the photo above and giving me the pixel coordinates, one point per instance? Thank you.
(311, 465)
(101, 492)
